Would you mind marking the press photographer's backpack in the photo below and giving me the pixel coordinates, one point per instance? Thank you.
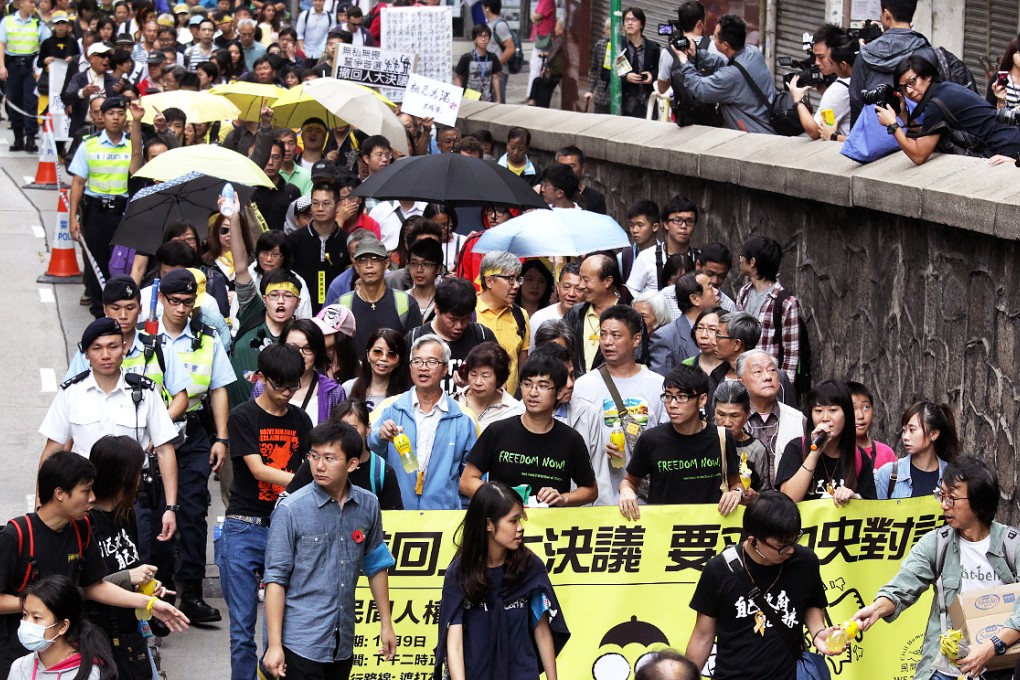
(686, 111)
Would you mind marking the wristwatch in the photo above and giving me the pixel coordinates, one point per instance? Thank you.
(834, 137)
(892, 128)
(221, 440)
(172, 508)
(1000, 646)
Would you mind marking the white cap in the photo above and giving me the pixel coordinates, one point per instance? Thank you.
(99, 48)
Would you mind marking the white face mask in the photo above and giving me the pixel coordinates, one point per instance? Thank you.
(33, 636)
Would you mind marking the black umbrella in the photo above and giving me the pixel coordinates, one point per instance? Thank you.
(191, 197)
(453, 179)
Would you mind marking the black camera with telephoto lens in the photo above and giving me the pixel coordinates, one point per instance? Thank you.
(808, 75)
(883, 95)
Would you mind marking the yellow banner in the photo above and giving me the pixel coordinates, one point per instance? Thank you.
(625, 587)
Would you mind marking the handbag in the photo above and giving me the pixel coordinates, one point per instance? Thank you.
(868, 139)
(631, 427)
(783, 115)
(543, 42)
(810, 666)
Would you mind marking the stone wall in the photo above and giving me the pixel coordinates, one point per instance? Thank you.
(908, 275)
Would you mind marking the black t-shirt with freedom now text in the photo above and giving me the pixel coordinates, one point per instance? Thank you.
(683, 469)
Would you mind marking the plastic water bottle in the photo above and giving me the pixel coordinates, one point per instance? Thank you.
(839, 638)
(147, 589)
(618, 439)
(218, 528)
(227, 209)
(402, 444)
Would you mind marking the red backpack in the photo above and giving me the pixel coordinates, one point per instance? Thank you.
(31, 570)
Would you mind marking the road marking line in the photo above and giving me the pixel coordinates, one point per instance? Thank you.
(38, 231)
(28, 179)
(46, 296)
(48, 379)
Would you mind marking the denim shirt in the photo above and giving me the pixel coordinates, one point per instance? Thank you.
(904, 487)
(917, 574)
(314, 552)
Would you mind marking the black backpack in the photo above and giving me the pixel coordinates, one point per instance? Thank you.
(516, 62)
(802, 382)
(686, 110)
(953, 70)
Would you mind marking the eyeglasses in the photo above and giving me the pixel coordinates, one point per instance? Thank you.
(314, 458)
(180, 302)
(720, 336)
(785, 546)
(281, 296)
(388, 353)
(680, 221)
(431, 362)
(304, 349)
(496, 212)
(911, 82)
(942, 497)
(224, 231)
(323, 204)
(381, 155)
(679, 398)
(275, 157)
(420, 264)
(706, 329)
(511, 279)
(542, 387)
(292, 387)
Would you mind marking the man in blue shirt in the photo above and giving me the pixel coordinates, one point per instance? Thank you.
(252, 50)
(313, 27)
(325, 534)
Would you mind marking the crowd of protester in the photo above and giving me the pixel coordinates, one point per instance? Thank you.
(329, 356)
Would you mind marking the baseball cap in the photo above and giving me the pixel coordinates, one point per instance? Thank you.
(324, 169)
(335, 318)
(177, 281)
(156, 57)
(120, 288)
(99, 48)
(370, 246)
(125, 38)
(97, 329)
(303, 205)
(181, 8)
(60, 16)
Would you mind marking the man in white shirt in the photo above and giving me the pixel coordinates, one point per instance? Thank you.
(834, 54)
(679, 220)
(568, 293)
(391, 216)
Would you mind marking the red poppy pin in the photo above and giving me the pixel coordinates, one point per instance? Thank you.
(358, 536)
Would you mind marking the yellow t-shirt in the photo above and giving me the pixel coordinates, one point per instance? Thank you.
(504, 326)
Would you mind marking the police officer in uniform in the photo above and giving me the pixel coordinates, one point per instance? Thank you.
(107, 400)
(206, 362)
(21, 33)
(148, 355)
(100, 190)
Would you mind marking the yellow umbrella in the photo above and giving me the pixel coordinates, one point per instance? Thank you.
(199, 107)
(361, 106)
(208, 159)
(294, 107)
(249, 97)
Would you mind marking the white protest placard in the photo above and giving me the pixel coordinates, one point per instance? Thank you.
(373, 66)
(424, 31)
(61, 121)
(430, 98)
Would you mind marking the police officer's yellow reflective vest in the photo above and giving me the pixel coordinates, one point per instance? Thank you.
(108, 166)
(149, 364)
(198, 363)
(22, 39)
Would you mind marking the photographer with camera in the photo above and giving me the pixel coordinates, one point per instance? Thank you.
(725, 84)
(956, 120)
(833, 54)
(690, 25)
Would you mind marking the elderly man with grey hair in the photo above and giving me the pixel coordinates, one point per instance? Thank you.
(500, 276)
(771, 422)
(251, 48)
(439, 432)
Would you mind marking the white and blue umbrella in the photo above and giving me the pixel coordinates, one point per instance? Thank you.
(548, 233)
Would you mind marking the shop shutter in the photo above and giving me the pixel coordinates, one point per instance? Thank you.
(794, 18)
(989, 25)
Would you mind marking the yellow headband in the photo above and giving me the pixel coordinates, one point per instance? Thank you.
(495, 272)
(285, 286)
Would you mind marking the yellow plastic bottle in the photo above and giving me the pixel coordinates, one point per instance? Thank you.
(745, 471)
(618, 439)
(147, 589)
(407, 458)
(839, 638)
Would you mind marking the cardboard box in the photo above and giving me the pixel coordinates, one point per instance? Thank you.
(980, 614)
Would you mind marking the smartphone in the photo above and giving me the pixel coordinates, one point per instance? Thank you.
(1002, 78)
(828, 117)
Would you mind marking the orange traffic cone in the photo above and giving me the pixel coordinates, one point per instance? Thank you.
(46, 172)
(63, 260)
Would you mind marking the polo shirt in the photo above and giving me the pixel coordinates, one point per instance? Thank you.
(503, 324)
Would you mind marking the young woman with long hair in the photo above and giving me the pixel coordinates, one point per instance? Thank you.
(826, 462)
(385, 372)
(62, 642)
(929, 437)
(499, 617)
(319, 394)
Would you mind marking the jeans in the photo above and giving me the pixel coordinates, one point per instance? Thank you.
(240, 556)
(193, 470)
